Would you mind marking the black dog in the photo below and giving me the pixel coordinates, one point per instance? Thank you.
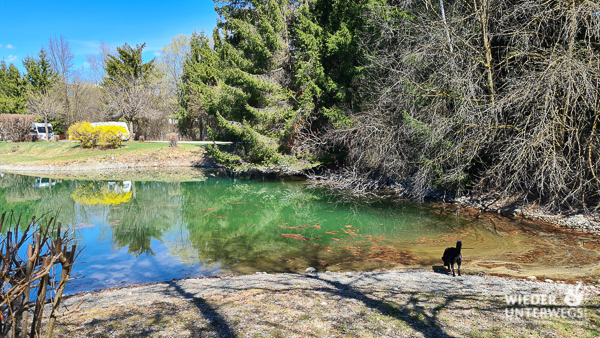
(451, 256)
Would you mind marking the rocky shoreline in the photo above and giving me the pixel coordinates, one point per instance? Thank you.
(577, 221)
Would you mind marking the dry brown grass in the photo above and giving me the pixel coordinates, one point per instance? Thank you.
(317, 306)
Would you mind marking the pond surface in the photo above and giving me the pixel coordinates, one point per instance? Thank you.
(148, 231)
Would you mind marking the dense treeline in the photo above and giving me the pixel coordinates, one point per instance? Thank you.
(492, 95)
(275, 75)
(497, 95)
(117, 85)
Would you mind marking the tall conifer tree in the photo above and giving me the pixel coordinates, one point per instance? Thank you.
(40, 75)
(13, 90)
(278, 72)
(251, 100)
(201, 73)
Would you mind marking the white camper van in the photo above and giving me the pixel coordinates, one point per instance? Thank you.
(124, 137)
(38, 129)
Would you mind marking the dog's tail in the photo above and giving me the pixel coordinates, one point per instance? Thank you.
(458, 245)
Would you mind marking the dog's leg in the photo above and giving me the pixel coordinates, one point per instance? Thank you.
(459, 268)
(452, 265)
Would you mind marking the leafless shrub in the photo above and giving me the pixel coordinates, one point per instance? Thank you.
(153, 128)
(131, 100)
(84, 101)
(15, 127)
(172, 138)
(501, 96)
(47, 104)
(20, 275)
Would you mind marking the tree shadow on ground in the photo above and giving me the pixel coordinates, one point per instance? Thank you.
(417, 317)
(137, 323)
(216, 320)
(437, 311)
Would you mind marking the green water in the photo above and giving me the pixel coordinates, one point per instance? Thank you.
(147, 231)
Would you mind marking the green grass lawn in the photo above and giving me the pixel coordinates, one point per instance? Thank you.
(29, 152)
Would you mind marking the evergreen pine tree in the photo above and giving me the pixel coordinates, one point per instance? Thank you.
(251, 99)
(13, 90)
(40, 75)
(127, 91)
(328, 64)
(278, 72)
(127, 68)
(201, 72)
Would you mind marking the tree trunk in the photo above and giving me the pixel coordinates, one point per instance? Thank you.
(446, 24)
(131, 134)
(66, 264)
(46, 127)
(484, 17)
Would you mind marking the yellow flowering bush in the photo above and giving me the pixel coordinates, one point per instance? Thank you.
(90, 136)
(90, 194)
(110, 136)
(85, 133)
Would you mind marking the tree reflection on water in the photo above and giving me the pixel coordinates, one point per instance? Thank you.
(222, 225)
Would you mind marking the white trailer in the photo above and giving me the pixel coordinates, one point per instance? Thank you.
(38, 129)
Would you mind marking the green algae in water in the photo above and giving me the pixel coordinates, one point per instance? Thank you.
(147, 231)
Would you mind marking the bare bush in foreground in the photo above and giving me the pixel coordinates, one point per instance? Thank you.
(45, 245)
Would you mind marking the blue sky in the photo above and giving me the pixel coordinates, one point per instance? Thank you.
(26, 25)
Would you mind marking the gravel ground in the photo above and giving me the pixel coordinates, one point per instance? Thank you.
(398, 303)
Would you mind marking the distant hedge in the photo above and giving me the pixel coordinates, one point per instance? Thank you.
(15, 127)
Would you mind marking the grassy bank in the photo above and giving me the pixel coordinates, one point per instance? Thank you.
(61, 152)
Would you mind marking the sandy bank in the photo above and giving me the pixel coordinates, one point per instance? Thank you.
(398, 303)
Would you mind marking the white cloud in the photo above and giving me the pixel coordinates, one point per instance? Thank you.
(9, 46)
(0, 46)
(159, 54)
(12, 58)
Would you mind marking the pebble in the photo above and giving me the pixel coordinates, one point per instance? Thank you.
(310, 269)
(549, 281)
(532, 278)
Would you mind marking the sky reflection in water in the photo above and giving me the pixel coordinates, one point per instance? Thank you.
(148, 231)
